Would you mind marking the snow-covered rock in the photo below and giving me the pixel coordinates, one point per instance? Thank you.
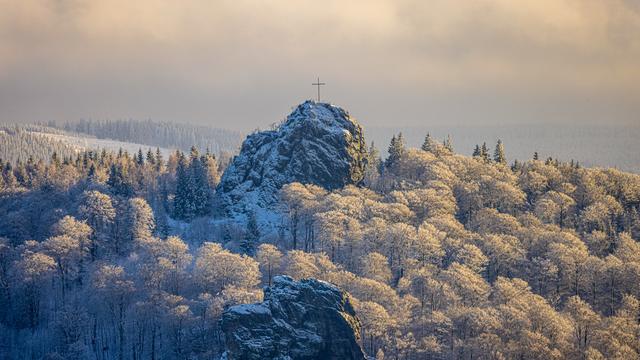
(317, 144)
(306, 320)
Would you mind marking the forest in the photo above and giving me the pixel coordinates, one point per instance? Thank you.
(119, 256)
(153, 133)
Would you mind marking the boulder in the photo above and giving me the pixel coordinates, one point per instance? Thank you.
(301, 320)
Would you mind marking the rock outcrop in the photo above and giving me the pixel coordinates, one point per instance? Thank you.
(317, 144)
(305, 320)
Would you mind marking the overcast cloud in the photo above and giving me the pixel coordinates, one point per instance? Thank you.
(244, 64)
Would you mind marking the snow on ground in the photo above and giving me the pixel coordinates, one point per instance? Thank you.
(81, 143)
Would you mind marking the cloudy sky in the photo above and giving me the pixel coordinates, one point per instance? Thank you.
(244, 64)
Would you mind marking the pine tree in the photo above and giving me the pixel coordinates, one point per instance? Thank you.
(119, 181)
(199, 189)
(535, 156)
(476, 151)
(396, 150)
(484, 152)
(427, 145)
(498, 154)
(159, 161)
(182, 209)
(151, 160)
(252, 235)
(140, 158)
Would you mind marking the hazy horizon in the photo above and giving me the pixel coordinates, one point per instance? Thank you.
(242, 65)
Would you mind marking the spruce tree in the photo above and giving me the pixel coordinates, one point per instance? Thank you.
(498, 154)
(427, 145)
(252, 235)
(181, 205)
(151, 160)
(535, 156)
(396, 149)
(199, 189)
(118, 180)
(476, 151)
(159, 161)
(140, 158)
(484, 152)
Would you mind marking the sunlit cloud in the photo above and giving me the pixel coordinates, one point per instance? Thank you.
(200, 60)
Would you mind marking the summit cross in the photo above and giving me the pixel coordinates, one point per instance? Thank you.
(318, 84)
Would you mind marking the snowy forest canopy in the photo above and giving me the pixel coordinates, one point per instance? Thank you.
(162, 134)
(117, 256)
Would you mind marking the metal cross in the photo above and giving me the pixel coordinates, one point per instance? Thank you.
(318, 84)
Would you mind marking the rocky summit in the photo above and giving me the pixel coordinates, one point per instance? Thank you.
(317, 144)
(305, 320)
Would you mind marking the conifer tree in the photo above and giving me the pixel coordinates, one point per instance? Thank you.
(159, 161)
(252, 235)
(119, 181)
(535, 156)
(182, 207)
(150, 158)
(427, 145)
(396, 149)
(140, 158)
(199, 189)
(498, 154)
(484, 152)
(476, 151)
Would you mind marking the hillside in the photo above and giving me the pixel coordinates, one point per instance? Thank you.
(444, 256)
(159, 134)
(21, 142)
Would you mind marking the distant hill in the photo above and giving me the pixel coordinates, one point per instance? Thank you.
(591, 145)
(20, 142)
(162, 134)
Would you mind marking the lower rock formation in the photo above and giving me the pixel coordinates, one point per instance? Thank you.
(298, 320)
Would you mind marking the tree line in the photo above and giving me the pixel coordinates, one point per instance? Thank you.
(162, 134)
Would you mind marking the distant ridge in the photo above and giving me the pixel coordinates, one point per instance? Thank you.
(161, 134)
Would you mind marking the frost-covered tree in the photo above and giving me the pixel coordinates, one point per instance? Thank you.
(270, 260)
(498, 154)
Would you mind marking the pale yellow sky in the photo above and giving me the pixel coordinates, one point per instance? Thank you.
(243, 64)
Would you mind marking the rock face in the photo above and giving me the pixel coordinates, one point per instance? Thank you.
(317, 144)
(305, 320)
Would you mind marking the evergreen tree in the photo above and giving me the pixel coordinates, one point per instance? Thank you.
(396, 150)
(252, 235)
(498, 154)
(484, 152)
(182, 206)
(118, 180)
(427, 145)
(151, 160)
(159, 161)
(140, 158)
(199, 189)
(535, 156)
(476, 151)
